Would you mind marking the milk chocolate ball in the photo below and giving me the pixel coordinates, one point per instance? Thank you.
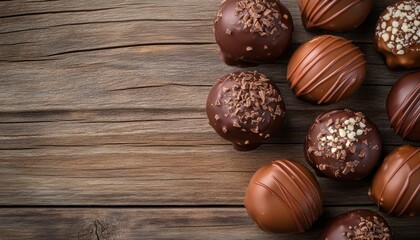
(397, 35)
(396, 185)
(357, 225)
(245, 108)
(343, 145)
(326, 69)
(283, 197)
(403, 107)
(338, 15)
(250, 32)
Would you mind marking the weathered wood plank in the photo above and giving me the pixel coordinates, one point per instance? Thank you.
(81, 17)
(144, 127)
(158, 223)
(137, 174)
(33, 32)
(111, 69)
(125, 79)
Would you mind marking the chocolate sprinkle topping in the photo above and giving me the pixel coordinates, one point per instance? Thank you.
(245, 108)
(249, 98)
(368, 230)
(259, 16)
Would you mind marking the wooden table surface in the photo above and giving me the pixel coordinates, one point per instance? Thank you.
(103, 131)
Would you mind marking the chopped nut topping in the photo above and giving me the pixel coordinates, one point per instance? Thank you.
(339, 140)
(399, 27)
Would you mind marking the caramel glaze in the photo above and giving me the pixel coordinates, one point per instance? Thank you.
(326, 69)
(396, 185)
(283, 197)
(403, 107)
(335, 15)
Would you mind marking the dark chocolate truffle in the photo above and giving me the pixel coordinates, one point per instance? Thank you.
(397, 34)
(245, 108)
(326, 69)
(343, 145)
(396, 185)
(283, 197)
(334, 15)
(249, 32)
(403, 107)
(357, 225)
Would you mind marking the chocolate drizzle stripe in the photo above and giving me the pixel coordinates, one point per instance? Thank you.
(326, 68)
(318, 10)
(332, 92)
(309, 184)
(398, 119)
(318, 58)
(286, 203)
(293, 84)
(335, 89)
(403, 191)
(301, 225)
(297, 186)
(345, 72)
(405, 160)
(304, 187)
(352, 64)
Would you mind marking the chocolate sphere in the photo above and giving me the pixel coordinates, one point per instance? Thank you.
(326, 69)
(249, 32)
(343, 145)
(245, 108)
(403, 107)
(337, 15)
(357, 225)
(397, 34)
(396, 185)
(283, 197)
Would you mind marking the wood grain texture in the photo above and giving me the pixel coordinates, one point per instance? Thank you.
(103, 104)
(157, 223)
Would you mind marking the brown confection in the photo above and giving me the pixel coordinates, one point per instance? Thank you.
(403, 107)
(343, 145)
(283, 197)
(334, 15)
(326, 69)
(361, 224)
(397, 34)
(395, 187)
(245, 108)
(249, 32)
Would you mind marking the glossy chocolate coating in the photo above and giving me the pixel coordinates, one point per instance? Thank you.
(357, 224)
(334, 15)
(245, 108)
(326, 69)
(403, 107)
(283, 197)
(249, 32)
(343, 145)
(397, 34)
(396, 185)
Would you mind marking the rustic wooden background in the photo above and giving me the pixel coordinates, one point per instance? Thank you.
(103, 132)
